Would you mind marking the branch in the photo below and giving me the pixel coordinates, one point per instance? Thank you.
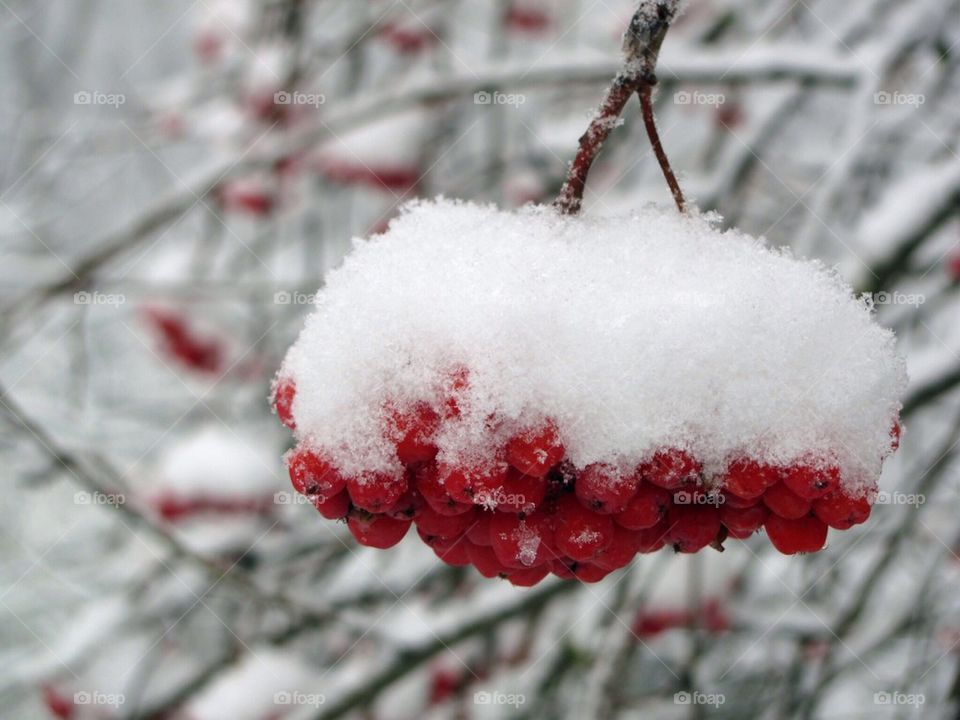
(641, 47)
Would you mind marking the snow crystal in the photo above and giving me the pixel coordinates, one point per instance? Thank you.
(632, 333)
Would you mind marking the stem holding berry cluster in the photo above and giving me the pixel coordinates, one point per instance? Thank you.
(641, 48)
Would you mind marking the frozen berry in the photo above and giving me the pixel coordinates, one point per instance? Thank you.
(747, 478)
(377, 492)
(536, 450)
(466, 482)
(692, 527)
(528, 577)
(621, 550)
(522, 541)
(433, 523)
(455, 387)
(647, 507)
(520, 493)
(479, 532)
(582, 571)
(332, 507)
(312, 473)
(579, 533)
(452, 551)
(408, 506)
(283, 396)
(785, 503)
(412, 430)
(671, 469)
(735, 501)
(801, 535)
(742, 522)
(811, 482)
(378, 531)
(485, 561)
(427, 480)
(841, 511)
(653, 538)
(604, 489)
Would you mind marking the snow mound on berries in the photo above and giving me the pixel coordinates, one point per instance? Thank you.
(632, 333)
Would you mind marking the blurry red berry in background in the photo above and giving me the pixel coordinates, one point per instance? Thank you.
(953, 266)
(526, 17)
(408, 38)
(208, 47)
(183, 345)
(60, 705)
(248, 198)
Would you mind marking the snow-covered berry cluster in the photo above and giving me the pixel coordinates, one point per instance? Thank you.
(537, 394)
(525, 510)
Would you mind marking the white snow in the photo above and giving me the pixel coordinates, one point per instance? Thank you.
(633, 333)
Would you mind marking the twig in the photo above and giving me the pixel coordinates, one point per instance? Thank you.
(641, 48)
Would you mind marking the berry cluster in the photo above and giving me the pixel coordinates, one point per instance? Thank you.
(528, 512)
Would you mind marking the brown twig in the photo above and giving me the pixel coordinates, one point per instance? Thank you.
(641, 48)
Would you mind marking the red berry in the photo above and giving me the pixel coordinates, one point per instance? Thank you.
(811, 482)
(466, 482)
(427, 480)
(479, 532)
(283, 396)
(332, 507)
(692, 527)
(742, 522)
(520, 493)
(452, 552)
(312, 473)
(412, 430)
(841, 511)
(671, 469)
(806, 534)
(735, 501)
(528, 577)
(60, 706)
(432, 523)
(408, 506)
(579, 533)
(377, 492)
(378, 531)
(485, 561)
(455, 387)
(895, 433)
(648, 507)
(582, 571)
(785, 503)
(621, 550)
(522, 541)
(653, 538)
(604, 489)
(747, 478)
(536, 450)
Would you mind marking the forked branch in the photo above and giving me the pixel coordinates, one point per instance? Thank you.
(641, 48)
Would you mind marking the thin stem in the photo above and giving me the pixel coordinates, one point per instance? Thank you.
(650, 123)
(641, 47)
